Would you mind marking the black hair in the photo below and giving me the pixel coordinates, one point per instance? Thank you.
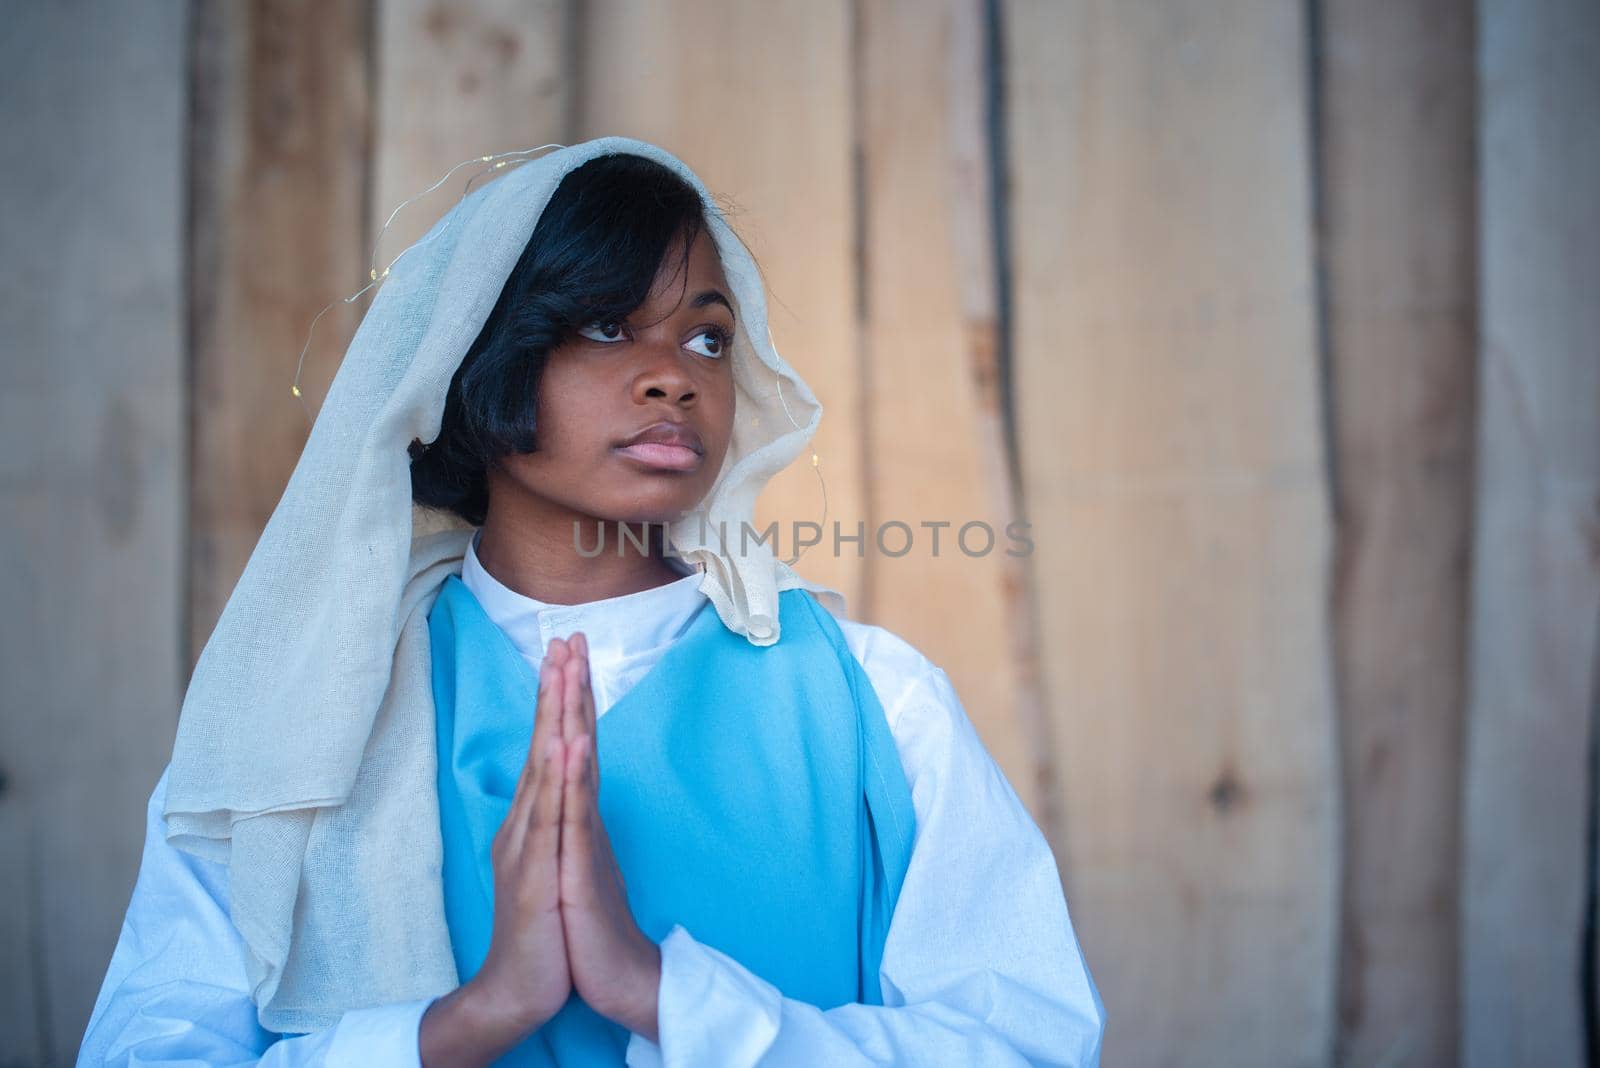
(593, 256)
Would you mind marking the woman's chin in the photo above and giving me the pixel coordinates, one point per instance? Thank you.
(663, 514)
(653, 504)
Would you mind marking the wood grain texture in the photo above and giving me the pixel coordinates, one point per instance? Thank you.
(92, 444)
(1398, 173)
(929, 341)
(756, 98)
(1536, 563)
(456, 80)
(1174, 469)
(279, 180)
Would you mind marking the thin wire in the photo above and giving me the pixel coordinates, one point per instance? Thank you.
(772, 344)
(498, 161)
(815, 463)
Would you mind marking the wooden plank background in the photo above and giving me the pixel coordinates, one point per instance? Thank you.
(1275, 320)
(1168, 413)
(1398, 189)
(93, 443)
(1535, 618)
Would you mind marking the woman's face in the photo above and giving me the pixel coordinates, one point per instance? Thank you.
(667, 366)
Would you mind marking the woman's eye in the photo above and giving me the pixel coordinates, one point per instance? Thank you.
(716, 340)
(608, 331)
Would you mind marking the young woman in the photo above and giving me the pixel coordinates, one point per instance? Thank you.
(489, 795)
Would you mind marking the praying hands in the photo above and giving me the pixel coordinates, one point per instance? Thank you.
(561, 915)
(615, 968)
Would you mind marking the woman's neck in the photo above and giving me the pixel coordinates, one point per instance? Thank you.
(542, 559)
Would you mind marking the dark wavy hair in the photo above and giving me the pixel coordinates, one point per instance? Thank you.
(593, 256)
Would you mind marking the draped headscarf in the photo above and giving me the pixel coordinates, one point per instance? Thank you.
(305, 755)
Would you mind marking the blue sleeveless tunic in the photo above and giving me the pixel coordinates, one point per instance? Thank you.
(752, 794)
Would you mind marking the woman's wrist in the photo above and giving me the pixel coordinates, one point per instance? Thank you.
(638, 1009)
(470, 1027)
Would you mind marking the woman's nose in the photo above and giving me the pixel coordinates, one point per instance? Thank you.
(663, 374)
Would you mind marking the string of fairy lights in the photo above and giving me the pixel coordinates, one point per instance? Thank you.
(488, 165)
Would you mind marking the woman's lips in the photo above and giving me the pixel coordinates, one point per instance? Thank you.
(662, 457)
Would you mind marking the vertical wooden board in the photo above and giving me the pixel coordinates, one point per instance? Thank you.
(92, 432)
(457, 80)
(279, 168)
(929, 342)
(1168, 413)
(756, 99)
(1398, 129)
(1536, 561)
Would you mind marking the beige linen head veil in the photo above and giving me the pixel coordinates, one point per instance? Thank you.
(305, 755)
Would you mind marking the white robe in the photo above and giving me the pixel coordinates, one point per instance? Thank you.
(981, 965)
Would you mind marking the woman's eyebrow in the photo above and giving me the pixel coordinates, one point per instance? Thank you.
(712, 296)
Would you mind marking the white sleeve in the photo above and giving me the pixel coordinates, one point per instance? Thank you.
(176, 991)
(981, 965)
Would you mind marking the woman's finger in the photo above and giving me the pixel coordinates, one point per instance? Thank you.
(543, 710)
(547, 718)
(571, 690)
(587, 715)
(545, 835)
(546, 712)
(598, 843)
(577, 815)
